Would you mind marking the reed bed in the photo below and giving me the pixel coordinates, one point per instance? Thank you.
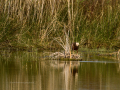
(34, 23)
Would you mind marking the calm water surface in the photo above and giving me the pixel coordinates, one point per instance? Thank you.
(28, 71)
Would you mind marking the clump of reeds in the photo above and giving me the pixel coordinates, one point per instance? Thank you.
(64, 43)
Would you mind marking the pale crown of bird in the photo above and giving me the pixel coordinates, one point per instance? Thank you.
(77, 44)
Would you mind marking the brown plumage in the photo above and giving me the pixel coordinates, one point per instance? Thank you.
(75, 46)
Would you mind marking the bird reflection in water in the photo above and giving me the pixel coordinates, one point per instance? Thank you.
(74, 71)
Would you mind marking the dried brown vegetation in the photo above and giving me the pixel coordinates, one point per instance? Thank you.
(35, 23)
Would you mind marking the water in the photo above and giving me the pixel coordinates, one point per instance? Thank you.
(28, 71)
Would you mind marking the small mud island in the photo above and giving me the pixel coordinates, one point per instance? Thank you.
(65, 56)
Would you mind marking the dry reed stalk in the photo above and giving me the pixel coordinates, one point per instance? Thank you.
(52, 2)
(5, 8)
(35, 10)
(73, 16)
(69, 14)
(41, 13)
(69, 20)
(67, 42)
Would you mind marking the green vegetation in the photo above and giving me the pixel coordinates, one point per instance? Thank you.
(35, 23)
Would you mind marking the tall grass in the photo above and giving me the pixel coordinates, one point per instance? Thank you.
(34, 23)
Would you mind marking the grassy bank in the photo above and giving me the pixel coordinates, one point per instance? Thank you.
(35, 23)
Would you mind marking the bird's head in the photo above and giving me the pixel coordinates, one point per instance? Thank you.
(77, 43)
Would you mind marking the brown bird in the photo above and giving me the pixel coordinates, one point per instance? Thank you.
(75, 46)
